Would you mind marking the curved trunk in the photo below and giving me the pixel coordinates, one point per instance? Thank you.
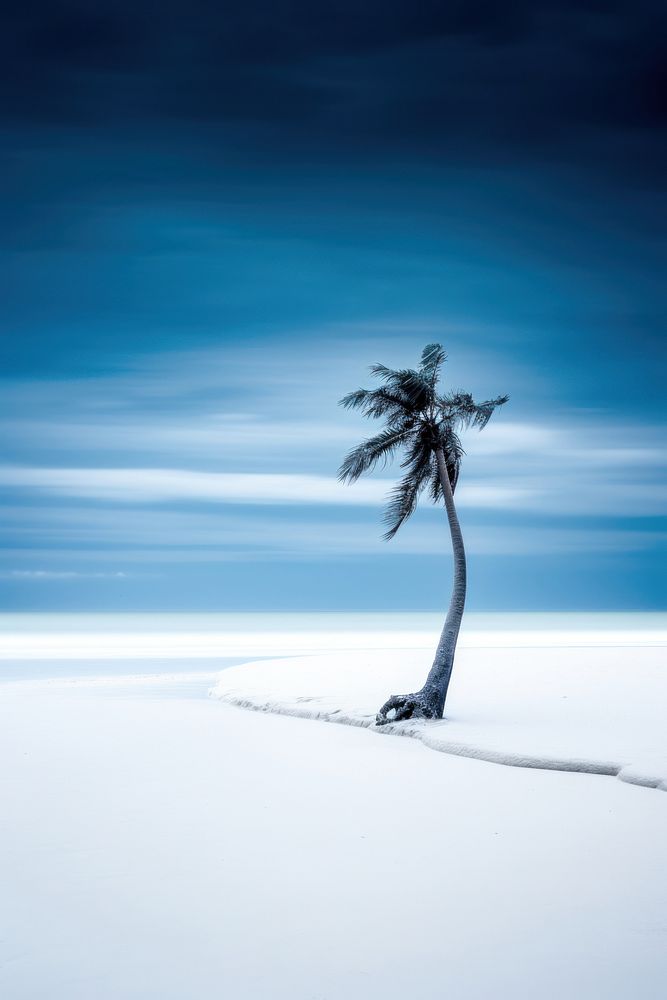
(429, 703)
(440, 673)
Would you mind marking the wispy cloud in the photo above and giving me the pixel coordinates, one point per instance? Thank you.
(579, 484)
(160, 485)
(49, 574)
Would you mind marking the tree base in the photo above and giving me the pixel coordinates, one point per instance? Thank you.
(420, 705)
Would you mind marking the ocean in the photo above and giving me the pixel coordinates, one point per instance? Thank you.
(59, 645)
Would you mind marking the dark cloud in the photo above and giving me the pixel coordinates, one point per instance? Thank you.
(577, 82)
(175, 170)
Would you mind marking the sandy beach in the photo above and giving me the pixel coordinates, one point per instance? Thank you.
(157, 842)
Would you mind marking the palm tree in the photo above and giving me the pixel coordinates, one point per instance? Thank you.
(424, 425)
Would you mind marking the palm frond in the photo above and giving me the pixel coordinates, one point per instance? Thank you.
(453, 451)
(381, 371)
(355, 400)
(377, 403)
(366, 455)
(453, 457)
(435, 487)
(403, 499)
(433, 356)
(484, 411)
(411, 387)
(418, 453)
(459, 408)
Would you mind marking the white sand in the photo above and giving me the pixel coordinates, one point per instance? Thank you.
(575, 708)
(176, 847)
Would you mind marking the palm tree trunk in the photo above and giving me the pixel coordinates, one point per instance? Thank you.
(440, 673)
(429, 702)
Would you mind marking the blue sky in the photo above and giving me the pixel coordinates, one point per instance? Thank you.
(188, 292)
